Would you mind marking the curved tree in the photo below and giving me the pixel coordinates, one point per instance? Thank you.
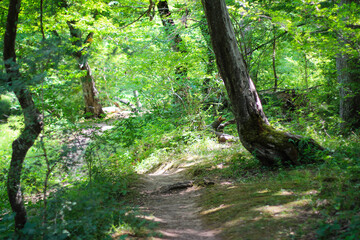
(270, 146)
(32, 117)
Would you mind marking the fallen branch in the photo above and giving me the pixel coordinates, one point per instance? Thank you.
(176, 186)
(186, 184)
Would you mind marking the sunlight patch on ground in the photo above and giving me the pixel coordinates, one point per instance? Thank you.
(222, 206)
(275, 211)
(284, 192)
(263, 191)
(310, 192)
(233, 223)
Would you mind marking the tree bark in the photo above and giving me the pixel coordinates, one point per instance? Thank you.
(348, 71)
(32, 118)
(92, 104)
(349, 78)
(270, 146)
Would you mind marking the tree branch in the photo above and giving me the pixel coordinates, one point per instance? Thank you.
(266, 43)
(147, 12)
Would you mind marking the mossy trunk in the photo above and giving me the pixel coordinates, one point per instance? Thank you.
(270, 146)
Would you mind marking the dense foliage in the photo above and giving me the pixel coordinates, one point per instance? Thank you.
(76, 177)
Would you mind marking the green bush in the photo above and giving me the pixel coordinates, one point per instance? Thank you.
(5, 107)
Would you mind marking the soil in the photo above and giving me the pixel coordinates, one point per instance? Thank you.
(175, 209)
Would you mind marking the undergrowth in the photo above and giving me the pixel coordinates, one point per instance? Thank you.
(86, 199)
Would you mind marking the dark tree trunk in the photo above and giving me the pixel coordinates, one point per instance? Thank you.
(32, 117)
(170, 26)
(92, 103)
(270, 146)
(274, 62)
(348, 70)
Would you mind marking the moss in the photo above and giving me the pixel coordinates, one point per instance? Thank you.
(274, 147)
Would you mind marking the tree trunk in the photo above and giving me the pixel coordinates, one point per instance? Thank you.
(176, 40)
(93, 107)
(270, 146)
(274, 62)
(169, 24)
(92, 103)
(348, 70)
(349, 78)
(32, 118)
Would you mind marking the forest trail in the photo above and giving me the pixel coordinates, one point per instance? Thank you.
(175, 210)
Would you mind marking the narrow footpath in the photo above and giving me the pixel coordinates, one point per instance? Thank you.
(170, 201)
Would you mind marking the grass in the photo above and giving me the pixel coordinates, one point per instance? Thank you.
(9, 131)
(248, 201)
(271, 208)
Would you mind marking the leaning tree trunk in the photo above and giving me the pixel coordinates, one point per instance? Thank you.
(32, 117)
(90, 93)
(267, 144)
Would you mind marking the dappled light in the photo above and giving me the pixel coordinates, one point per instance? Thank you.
(184, 120)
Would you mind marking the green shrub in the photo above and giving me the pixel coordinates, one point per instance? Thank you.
(5, 107)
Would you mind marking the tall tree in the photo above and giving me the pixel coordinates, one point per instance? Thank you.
(32, 117)
(267, 144)
(92, 103)
(348, 68)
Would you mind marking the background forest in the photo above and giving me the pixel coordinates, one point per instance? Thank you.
(126, 86)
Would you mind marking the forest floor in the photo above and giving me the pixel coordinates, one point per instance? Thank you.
(192, 196)
(224, 209)
(172, 202)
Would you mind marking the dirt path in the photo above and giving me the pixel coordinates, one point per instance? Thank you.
(175, 210)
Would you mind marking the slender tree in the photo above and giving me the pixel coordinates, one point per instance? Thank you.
(267, 144)
(274, 61)
(32, 117)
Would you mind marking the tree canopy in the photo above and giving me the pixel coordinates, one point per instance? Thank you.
(165, 75)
